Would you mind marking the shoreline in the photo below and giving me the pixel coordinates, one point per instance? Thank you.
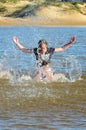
(6, 21)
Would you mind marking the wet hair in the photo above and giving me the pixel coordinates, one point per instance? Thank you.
(42, 41)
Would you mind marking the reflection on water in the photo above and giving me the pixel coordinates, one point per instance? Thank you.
(27, 104)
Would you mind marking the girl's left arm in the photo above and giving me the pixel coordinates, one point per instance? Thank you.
(66, 46)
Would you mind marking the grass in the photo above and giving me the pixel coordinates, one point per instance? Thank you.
(16, 13)
(75, 6)
(24, 11)
(71, 5)
(59, 4)
(32, 8)
(2, 8)
(7, 1)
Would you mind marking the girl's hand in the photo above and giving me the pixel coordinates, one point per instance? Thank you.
(73, 40)
(15, 39)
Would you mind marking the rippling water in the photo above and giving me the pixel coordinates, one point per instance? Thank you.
(27, 104)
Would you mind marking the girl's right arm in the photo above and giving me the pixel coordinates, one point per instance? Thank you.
(21, 47)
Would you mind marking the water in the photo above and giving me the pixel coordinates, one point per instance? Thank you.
(40, 105)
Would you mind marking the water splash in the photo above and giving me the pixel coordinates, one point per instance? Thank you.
(15, 67)
(67, 65)
(65, 69)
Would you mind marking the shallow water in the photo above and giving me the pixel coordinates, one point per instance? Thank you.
(34, 105)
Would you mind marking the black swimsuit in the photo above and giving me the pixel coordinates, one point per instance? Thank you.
(45, 57)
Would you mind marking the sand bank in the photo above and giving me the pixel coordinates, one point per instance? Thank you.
(47, 16)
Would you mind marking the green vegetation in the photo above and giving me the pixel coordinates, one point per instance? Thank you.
(59, 4)
(18, 12)
(75, 6)
(25, 11)
(30, 9)
(6, 1)
(2, 8)
(69, 6)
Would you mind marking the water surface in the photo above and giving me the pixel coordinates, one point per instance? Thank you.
(27, 104)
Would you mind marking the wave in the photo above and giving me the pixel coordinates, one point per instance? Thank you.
(25, 87)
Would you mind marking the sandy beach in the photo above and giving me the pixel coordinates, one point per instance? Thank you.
(47, 16)
(72, 20)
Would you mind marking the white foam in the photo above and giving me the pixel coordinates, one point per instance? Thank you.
(60, 78)
(5, 74)
(26, 78)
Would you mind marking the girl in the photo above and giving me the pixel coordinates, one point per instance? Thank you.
(43, 55)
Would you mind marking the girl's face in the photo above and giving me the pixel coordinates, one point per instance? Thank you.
(43, 48)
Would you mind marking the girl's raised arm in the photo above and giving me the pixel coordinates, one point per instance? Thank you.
(20, 46)
(66, 46)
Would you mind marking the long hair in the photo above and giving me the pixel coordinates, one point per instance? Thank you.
(42, 41)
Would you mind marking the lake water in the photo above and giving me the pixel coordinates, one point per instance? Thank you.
(26, 104)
